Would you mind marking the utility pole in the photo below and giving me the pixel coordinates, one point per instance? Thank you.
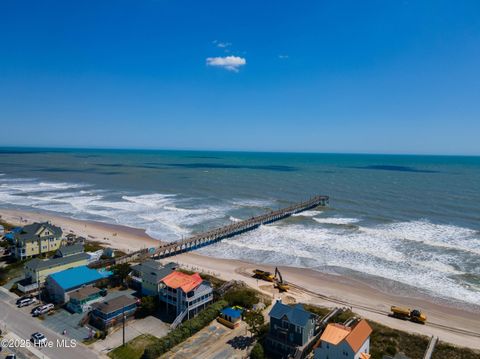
(123, 328)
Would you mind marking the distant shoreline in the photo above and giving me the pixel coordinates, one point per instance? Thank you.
(235, 151)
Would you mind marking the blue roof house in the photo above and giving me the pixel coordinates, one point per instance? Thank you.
(230, 317)
(61, 283)
(291, 329)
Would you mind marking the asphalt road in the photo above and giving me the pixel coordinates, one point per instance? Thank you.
(23, 325)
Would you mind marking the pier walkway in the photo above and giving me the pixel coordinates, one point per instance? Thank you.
(216, 235)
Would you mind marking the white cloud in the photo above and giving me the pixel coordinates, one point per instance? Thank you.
(283, 57)
(221, 44)
(230, 63)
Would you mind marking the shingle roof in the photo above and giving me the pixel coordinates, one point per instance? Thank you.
(83, 293)
(295, 314)
(38, 264)
(360, 332)
(28, 232)
(153, 271)
(354, 336)
(76, 277)
(334, 333)
(114, 304)
(65, 251)
(186, 282)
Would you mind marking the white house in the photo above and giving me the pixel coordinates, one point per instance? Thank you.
(341, 342)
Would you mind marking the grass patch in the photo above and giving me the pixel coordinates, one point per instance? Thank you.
(93, 246)
(385, 340)
(134, 348)
(444, 350)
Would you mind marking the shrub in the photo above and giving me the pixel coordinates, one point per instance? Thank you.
(257, 352)
(244, 297)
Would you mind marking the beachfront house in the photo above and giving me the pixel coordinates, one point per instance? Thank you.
(292, 328)
(109, 313)
(60, 284)
(35, 239)
(186, 294)
(82, 299)
(69, 250)
(339, 341)
(37, 270)
(147, 276)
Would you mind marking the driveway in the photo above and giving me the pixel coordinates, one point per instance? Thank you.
(149, 325)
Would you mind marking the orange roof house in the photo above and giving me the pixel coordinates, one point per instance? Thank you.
(186, 282)
(338, 339)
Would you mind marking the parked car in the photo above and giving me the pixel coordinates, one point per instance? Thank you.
(27, 301)
(11, 356)
(38, 339)
(28, 296)
(42, 309)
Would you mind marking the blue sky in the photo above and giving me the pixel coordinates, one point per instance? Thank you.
(322, 76)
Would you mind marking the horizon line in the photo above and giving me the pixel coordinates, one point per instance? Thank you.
(185, 149)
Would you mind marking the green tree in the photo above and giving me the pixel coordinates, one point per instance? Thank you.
(254, 320)
(257, 352)
(121, 271)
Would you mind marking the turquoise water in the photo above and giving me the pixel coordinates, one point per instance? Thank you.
(398, 220)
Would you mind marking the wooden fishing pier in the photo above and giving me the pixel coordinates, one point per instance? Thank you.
(216, 235)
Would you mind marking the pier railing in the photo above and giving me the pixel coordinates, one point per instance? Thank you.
(216, 235)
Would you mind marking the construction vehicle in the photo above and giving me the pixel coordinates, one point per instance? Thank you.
(279, 283)
(261, 274)
(414, 315)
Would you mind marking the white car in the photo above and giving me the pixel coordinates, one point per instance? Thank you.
(27, 301)
(38, 339)
(43, 309)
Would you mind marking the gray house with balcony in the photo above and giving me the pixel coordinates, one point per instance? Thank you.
(291, 329)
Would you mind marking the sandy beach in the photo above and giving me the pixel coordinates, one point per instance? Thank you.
(124, 238)
(459, 326)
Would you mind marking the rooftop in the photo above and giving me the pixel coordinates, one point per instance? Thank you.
(65, 251)
(30, 232)
(75, 277)
(295, 314)
(234, 313)
(355, 336)
(83, 293)
(186, 282)
(153, 271)
(114, 304)
(38, 264)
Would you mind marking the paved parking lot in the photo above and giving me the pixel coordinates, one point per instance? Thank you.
(63, 320)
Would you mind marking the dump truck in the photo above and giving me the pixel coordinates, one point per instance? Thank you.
(279, 283)
(414, 315)
(261, 274)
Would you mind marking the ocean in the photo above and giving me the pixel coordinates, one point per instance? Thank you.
(406, 223)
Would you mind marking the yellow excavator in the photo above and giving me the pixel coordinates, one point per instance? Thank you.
(279, 283)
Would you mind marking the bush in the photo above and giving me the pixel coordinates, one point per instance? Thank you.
(148, 306)
(184, 331)
(244, 297)
(257, 352)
